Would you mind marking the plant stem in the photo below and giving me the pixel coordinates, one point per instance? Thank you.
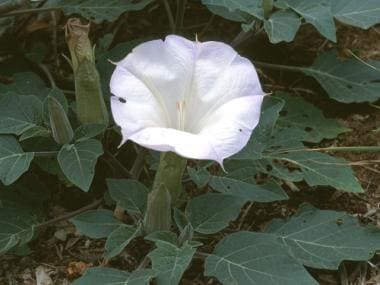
(69, 215)
(170, 15)
(267, 7)
(181, 8)
(278, 66)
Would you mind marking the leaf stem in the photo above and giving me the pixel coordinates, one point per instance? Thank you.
(45, 153)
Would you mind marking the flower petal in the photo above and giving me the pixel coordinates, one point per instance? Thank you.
(165, 69)
(238, 79)
(226, 134)
(200, 100)
(229, 128)
(135, 107)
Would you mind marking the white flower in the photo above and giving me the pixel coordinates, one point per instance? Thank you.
(199, 100)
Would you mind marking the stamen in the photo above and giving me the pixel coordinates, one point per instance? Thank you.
(181, 106)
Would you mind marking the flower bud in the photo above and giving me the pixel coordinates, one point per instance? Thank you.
(59, 123)
(167, 186)
(89, 98)
(158, 214)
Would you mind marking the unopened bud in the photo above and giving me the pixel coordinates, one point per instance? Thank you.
(59, 123)
(90, 104)
(158, 213)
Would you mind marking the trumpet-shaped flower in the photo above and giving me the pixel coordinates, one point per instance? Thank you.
(200, 100)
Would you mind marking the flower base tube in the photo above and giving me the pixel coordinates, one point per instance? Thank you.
(166, 191)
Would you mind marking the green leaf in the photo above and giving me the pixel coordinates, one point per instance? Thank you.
(96, 223)
(248, 258)
(317, 13)
(88, 131)
(111, 276)
(300, 114)
(60, 97)
(211, 212)
(26, 83)
(162, 237)
(33, 132)
(129, 194)
(16, 228)
(250, 7)
(282, 26)
(248, 190)
(276, 168)
(362, 13)
(141, 277)
(180, 219)
(13, 160)
(199, 176)
(170, 262)
(19, 113)
(99, 11)
(119, 239)
(270, 112)
(78, 161)
(320, 169)
(346, 81)
(323, 239)
(236, 16)
(103, 276)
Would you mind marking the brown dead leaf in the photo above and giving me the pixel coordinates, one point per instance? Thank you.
(77, 268)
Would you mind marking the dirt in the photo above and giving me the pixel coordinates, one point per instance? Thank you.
(65, 254)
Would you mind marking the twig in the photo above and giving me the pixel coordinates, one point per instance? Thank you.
(170, 15)
(67, 216)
